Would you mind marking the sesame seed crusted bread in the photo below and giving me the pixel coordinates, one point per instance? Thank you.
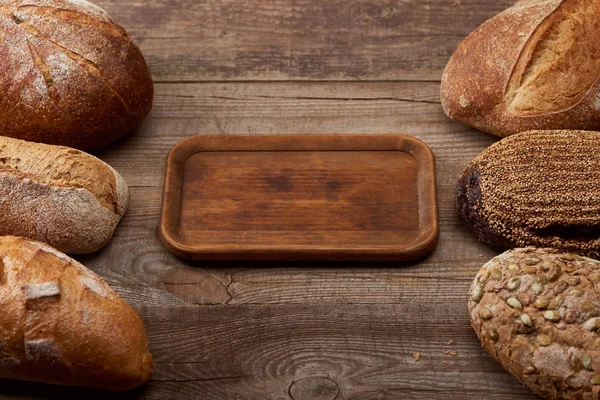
(70, 74)
(534, 66)
(537, 188)
(537, 311)
(62, 324)
(62, 196)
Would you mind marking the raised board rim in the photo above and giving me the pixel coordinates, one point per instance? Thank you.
(427, 196)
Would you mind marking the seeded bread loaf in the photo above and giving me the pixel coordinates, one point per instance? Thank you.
(537, 188)
(534, 66)
(537, 311)
(64, 197)
(60, 323)
(70, 74)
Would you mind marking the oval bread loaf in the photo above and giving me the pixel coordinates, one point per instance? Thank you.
(538, 188)
(537, 311)
(64, 197)
(70, 74)
(534, 66)
(60, 323)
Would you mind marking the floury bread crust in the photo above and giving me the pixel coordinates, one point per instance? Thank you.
(534, 66)
(70, 74)
(62, 324)
(537, 188)
(58, 195)
(537, 311)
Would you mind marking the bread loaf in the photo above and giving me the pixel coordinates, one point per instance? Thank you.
(70, 74)
(534, 66)
(60, 323)
(58, 195)
(537, 188)
(537, 311)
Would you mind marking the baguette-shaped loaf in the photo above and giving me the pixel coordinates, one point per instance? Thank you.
(62, 324)
(62, 196)
(70, 74)
(534, 66)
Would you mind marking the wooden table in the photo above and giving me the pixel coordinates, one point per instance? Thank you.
(281, 330)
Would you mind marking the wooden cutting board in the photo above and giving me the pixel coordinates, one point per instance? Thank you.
(329, 197)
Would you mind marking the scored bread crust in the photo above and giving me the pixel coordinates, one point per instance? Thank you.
(534, 66)
(62, 196)
(70, 74)
(537, 311)
(536, 188)
(62, 324)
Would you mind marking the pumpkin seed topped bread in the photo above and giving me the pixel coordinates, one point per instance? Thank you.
(537, 311)
(537, 188)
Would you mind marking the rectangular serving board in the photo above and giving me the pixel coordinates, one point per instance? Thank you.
(300, 197)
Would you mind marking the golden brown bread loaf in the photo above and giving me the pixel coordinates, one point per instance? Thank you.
(64, 197)
(60, 323)
(537, 311)
(70, 74)
(534, 66)
(537, 188)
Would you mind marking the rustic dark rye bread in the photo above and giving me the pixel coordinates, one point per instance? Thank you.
(537, 311)
(536, 188)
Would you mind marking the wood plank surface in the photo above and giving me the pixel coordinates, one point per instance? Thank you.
(297, 330)
(187, 40)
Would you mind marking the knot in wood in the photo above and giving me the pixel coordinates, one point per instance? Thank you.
(314, 388)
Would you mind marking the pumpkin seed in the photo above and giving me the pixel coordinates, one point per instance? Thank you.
(477, 293)
(493, 334)
(513, 284)
(542, 302)
(485, 313)
(556, 302)
(544, 340)
(551, 316)
(592, 324)
(537, 288)
(586, 362)
(514, 303)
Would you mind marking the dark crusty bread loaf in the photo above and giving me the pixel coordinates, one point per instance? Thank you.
(62, 196)
(60, 323)
(537, 188)
(70, 74)
(534, 66)
(537, 311)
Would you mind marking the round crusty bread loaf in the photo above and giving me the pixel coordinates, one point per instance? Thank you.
(64, 197)
(537, 311)
(534, 66)
(70, 74)
(62, 324)
(537, 188)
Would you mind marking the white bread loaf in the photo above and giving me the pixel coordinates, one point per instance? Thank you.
(534, 66)
(62, 324)
(62, 196)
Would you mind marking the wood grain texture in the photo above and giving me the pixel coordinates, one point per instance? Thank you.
(284, 330)
(300, 197)
(186, 40)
